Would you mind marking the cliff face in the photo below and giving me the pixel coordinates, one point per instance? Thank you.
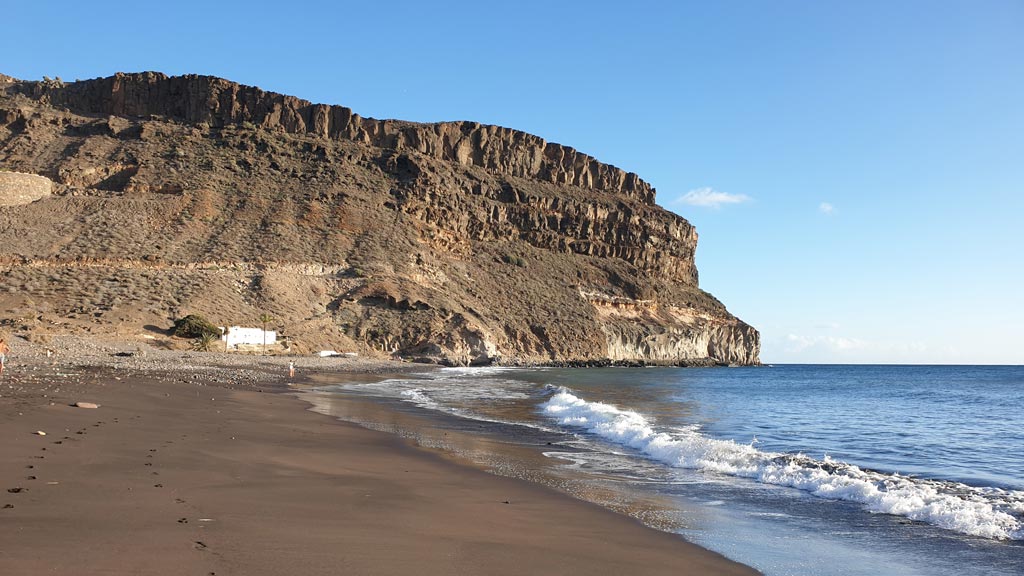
(453, 242)
(639, 233)
(218, 102)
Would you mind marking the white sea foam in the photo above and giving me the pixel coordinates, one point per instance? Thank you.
(989, 513)
(448, 387)
(454, 391)
(459, 371)
(416, 396)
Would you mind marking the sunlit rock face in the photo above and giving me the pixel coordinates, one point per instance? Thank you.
(453, 242)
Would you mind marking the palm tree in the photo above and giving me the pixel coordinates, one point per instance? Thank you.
(265, 319)
(227, 330)
(204, 342)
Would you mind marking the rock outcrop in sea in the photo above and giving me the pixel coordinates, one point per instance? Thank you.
(452, 242)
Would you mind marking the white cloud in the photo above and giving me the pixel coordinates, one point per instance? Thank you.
(826, 208)
(831, 343)
(708, 197)
(801, 348)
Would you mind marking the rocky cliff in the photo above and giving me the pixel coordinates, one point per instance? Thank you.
(453, 242)
(218, 102)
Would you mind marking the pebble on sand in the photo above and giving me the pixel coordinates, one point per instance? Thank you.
(86, 405)
(40, 433)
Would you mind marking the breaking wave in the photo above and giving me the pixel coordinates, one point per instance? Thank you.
(985, 512)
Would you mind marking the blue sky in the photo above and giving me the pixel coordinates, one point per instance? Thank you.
(873, 150)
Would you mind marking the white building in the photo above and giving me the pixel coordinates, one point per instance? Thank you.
(237, 335)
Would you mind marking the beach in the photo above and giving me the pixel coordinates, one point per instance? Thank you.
(797, 469)
(204, 464)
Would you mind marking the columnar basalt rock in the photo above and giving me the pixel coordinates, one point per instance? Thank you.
(659, 243)
(217, 102)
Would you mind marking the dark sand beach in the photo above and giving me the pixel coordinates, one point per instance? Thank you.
(198, 464)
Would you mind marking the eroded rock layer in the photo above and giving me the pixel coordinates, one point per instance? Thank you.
(218, 102)
(452, 242)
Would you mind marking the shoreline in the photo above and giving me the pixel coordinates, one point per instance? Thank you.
(188, 466)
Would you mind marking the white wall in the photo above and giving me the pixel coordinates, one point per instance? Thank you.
(239, 335)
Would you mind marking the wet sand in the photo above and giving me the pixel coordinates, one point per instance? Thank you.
(181, 474)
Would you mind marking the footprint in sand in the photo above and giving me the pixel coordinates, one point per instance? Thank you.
(17, 490)
(199, 545)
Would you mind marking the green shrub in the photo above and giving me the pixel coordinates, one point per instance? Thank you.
(204, 343)
(195, 326)
(517, 260)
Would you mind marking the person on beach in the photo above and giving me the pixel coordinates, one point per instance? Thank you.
(4, 351)
(291, 369)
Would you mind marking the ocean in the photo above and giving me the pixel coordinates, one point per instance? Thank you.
(792, 469)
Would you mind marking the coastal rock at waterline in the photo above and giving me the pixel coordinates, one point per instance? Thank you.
(678, 336)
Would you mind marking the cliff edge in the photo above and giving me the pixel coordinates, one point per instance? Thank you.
(218, 102)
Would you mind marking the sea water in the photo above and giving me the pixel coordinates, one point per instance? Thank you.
(791, 469)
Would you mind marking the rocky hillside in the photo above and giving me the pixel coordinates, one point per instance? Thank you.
(453, 242)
